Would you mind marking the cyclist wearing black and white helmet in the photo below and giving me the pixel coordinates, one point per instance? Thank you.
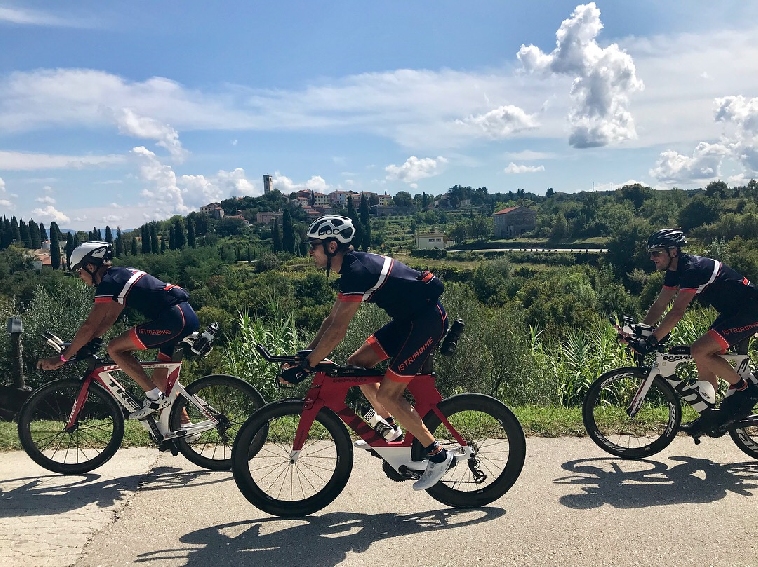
(734, 298)
(411, 299)
(170, 319)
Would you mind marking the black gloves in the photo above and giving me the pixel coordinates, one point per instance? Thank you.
(296, 374)
(644, 345)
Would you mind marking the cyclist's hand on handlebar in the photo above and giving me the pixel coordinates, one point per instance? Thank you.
(292, 374)
(51, 363)
(295, 374)
(644, 345)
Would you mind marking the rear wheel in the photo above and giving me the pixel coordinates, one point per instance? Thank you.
(649, 431)
(491, 429)
(745, 434)
(93, 439)
(231, 401)
(280, 483)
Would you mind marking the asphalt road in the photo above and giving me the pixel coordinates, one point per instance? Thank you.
(572, 506)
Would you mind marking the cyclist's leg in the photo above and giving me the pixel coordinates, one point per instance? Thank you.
(369, 355)
(189, 324)
(120, 350)
(727, 331)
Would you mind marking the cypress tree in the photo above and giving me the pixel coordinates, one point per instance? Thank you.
(26, 238)
(288, 233)
(108, 234)
(276, 236)
(191, 232)
(34, 235)
(154, 238)
(55, 247)
(145, 232)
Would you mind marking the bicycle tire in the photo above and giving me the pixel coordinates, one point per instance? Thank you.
(97, 437)
(233, 401)
(652, 428)
(271, 481)
(745, 435)
(491, 428)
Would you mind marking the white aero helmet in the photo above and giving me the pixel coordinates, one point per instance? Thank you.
(93, 252)
(337, 227)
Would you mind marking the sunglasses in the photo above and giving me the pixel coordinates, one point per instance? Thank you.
(315, 244)
(656, 253)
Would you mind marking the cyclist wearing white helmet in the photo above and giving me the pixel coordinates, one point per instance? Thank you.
(736, 300)
(411, 299)
(171, 318)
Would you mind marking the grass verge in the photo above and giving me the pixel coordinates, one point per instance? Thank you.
(536, 421)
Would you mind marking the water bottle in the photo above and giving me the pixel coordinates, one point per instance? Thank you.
(450, 342)
(204, 343)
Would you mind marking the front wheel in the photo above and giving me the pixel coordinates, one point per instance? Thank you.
(649, 431)
(92, 440)
(231, 401)
(282, 483)
(496, 437)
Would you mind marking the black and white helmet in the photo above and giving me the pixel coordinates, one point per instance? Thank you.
(327, 227)
(666, 238)
(93, 252)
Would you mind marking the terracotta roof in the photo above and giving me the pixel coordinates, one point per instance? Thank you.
(505, 211)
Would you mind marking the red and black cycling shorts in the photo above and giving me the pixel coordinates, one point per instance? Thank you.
(409, 342)
(728, 330)
(165, 331)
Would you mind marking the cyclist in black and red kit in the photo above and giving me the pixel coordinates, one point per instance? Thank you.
(171, 318)
(729, 293)
(411, 299)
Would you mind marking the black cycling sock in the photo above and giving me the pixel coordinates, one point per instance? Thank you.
(436, 453)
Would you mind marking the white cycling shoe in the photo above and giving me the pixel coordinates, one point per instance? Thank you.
(434, 472)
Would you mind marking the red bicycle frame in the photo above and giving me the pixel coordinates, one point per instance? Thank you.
(331, 391)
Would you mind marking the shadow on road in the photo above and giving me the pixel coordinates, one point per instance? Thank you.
(55, 494)
(317, 540)
(639, 484)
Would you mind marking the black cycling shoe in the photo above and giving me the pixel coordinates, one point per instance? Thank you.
(740, 400)
(709, 421)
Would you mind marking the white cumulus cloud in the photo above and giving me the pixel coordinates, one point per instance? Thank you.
(513, 168)
(50, 214)
(704, 164)
(131, 123)
(415, 169)
(500, 122)
(603, 79)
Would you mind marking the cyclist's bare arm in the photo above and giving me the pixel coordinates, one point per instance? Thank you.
(675, 314)
(99, 320)
(332, 330)
(659, 306)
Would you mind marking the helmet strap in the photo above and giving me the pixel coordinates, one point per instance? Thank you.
(329, 255)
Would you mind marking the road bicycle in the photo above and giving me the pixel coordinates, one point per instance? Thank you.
(72, 426)
(634, 412)
(308, 455)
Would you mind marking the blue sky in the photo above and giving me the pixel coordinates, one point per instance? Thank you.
(120, 113)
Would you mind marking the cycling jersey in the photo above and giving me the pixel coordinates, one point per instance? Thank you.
(398, 289)
(408, 296)
(139, 290)
(714, 283)
(171, 316)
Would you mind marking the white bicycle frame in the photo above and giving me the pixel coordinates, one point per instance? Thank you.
(160, 428)
(666, 364)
